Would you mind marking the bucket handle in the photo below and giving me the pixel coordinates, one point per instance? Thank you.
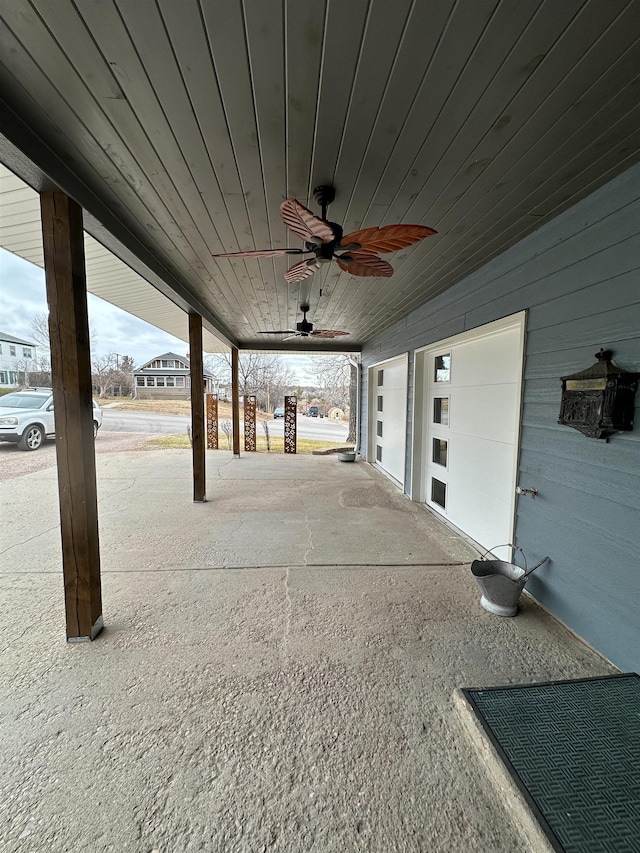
(527, 571)
(508, 545)
(537, 566)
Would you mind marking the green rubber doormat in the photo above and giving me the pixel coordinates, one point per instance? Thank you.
(573, 748)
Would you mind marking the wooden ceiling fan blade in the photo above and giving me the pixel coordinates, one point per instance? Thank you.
(303, 222)
(363, 264)
(260, 253)
(278, 332)
(327, 333)
(389, 238)
(300, 271)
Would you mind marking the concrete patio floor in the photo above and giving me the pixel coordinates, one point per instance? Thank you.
(277, 671)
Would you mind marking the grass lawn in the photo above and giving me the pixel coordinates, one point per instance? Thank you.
(304, 445)
(174, 407)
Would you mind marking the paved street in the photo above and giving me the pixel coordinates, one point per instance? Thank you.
(115, 420)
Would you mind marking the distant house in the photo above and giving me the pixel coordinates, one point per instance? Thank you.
(167, 377)
(16, 359)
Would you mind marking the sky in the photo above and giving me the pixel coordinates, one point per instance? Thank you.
(23, 295)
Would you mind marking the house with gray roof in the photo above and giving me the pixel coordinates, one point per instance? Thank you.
(167, 377)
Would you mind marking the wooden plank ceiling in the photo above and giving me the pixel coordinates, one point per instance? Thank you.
(190, 122)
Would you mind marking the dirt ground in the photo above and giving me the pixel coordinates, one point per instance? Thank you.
(16, 463)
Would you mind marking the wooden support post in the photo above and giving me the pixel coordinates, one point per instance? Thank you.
(197, 408)
(235, 401)
(72, 393)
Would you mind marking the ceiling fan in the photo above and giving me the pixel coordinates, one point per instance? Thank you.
(304, 329)
(355, 253)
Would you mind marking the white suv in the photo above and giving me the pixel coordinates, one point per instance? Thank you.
(26, 417)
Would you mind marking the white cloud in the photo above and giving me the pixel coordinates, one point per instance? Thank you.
(23, 295)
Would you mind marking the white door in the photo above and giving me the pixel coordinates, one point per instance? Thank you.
(388, 423)
(471, 411)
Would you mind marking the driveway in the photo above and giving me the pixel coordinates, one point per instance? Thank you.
(18, 463)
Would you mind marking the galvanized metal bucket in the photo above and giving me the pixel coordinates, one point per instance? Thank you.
(502, 583)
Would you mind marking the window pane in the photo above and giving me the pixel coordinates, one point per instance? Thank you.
(151, 381)
(380, 377)
(441, 411)
(379, 402)
(160, 381)
(439, 452)
(438, 492)
(379, 428)
(378, 453)
(179, 381)
(442, 368)
(139, 380)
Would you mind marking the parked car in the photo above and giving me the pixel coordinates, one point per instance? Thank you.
(313, 411)
(278, 412)
(26, 417)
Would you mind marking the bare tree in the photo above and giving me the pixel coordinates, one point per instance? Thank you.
(40, 333)
(102, 370)
(123, 374)
(337, 381)
(40, 329)
(112, 371)
(264, 374)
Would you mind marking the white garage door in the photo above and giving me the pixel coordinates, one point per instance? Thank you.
(471, 412)
(388, 421)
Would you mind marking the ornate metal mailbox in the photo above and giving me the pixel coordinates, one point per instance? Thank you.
(599, 401)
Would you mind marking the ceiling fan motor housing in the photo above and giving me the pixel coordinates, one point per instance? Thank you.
(304, 326)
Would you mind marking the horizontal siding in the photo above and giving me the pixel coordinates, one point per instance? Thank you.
(578, 278)
(166, 394)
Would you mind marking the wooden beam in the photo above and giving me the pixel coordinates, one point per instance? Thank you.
(198, 433)
(72, 394)
(235, 401)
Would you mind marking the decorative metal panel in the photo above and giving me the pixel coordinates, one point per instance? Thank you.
(290, 433)
(250, 424)
(212, 421)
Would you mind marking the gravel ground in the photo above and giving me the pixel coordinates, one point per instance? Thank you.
(15, 463)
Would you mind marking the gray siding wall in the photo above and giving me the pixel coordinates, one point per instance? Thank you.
(578, 277)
